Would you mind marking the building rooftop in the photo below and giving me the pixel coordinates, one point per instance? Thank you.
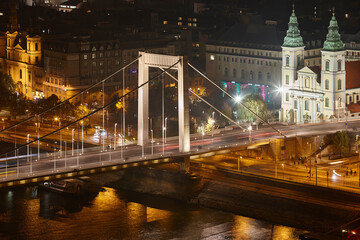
(252, 35)
(317, 70)
(352, 74)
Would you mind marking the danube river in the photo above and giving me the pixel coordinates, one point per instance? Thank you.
(28, 213)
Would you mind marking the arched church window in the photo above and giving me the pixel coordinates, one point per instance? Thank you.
(242, 74)
(251, 75)
(287, 60)
(339, 65)
(226, 72)
(298, 60)
(295, 104)
(260, 76)
(307, 105)
(268, 76)
(234, 72)
(327, 65)
(339, 84)
(287, 79)
(326, 102)
(327, 84)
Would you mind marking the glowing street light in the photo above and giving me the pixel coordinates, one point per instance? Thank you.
(115, 137)
(3, 120)
(37, 125)
(72, 141)
(213, 123)
(238, 99)
(82, 136)
(250, 128)
(165, 129)
(58, 119)
(152, 142)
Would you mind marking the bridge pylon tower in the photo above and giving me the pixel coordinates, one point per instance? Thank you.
(179, 63)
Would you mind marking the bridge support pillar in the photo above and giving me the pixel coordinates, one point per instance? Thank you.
(143, 103)
(183, 106)
(185, 165)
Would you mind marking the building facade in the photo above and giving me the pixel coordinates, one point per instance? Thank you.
(248, 59)
(314, 93)
(22, 60)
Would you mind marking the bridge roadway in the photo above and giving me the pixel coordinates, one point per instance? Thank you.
(93, 158)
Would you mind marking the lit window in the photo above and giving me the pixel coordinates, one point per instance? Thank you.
(179, 18)
(165, 22)
(189, 24)
(194, 19)
(194, 25)
(179, 23)
(212, 57)
(85, 57)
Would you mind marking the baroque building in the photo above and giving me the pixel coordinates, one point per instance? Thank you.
(22, 60)
(315, 93)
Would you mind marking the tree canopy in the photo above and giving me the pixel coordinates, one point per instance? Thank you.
(341, 142)
(7, 90)
(256, 104)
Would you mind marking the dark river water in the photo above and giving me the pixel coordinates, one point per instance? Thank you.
(29, 213)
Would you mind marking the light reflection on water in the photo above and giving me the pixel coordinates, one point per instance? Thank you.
(26, 213)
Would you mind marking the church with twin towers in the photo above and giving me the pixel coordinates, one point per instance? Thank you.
(316, 93)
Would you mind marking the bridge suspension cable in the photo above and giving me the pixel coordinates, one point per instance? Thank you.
(74, 96)
(243, 105)
(95, 111)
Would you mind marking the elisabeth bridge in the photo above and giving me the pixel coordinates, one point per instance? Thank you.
(43, 153)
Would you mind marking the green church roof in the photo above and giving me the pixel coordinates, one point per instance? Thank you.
(333, 41)
(293, 37)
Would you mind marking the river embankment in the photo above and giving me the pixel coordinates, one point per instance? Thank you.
(231, 193)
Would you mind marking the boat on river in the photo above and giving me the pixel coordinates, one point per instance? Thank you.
(71, 186)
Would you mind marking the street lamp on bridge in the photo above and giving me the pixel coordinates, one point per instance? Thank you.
(250, 128)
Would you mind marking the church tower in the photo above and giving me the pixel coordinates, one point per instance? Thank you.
(333, 72)
(292, 60)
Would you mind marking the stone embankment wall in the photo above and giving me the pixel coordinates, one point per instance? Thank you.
(229, 197)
